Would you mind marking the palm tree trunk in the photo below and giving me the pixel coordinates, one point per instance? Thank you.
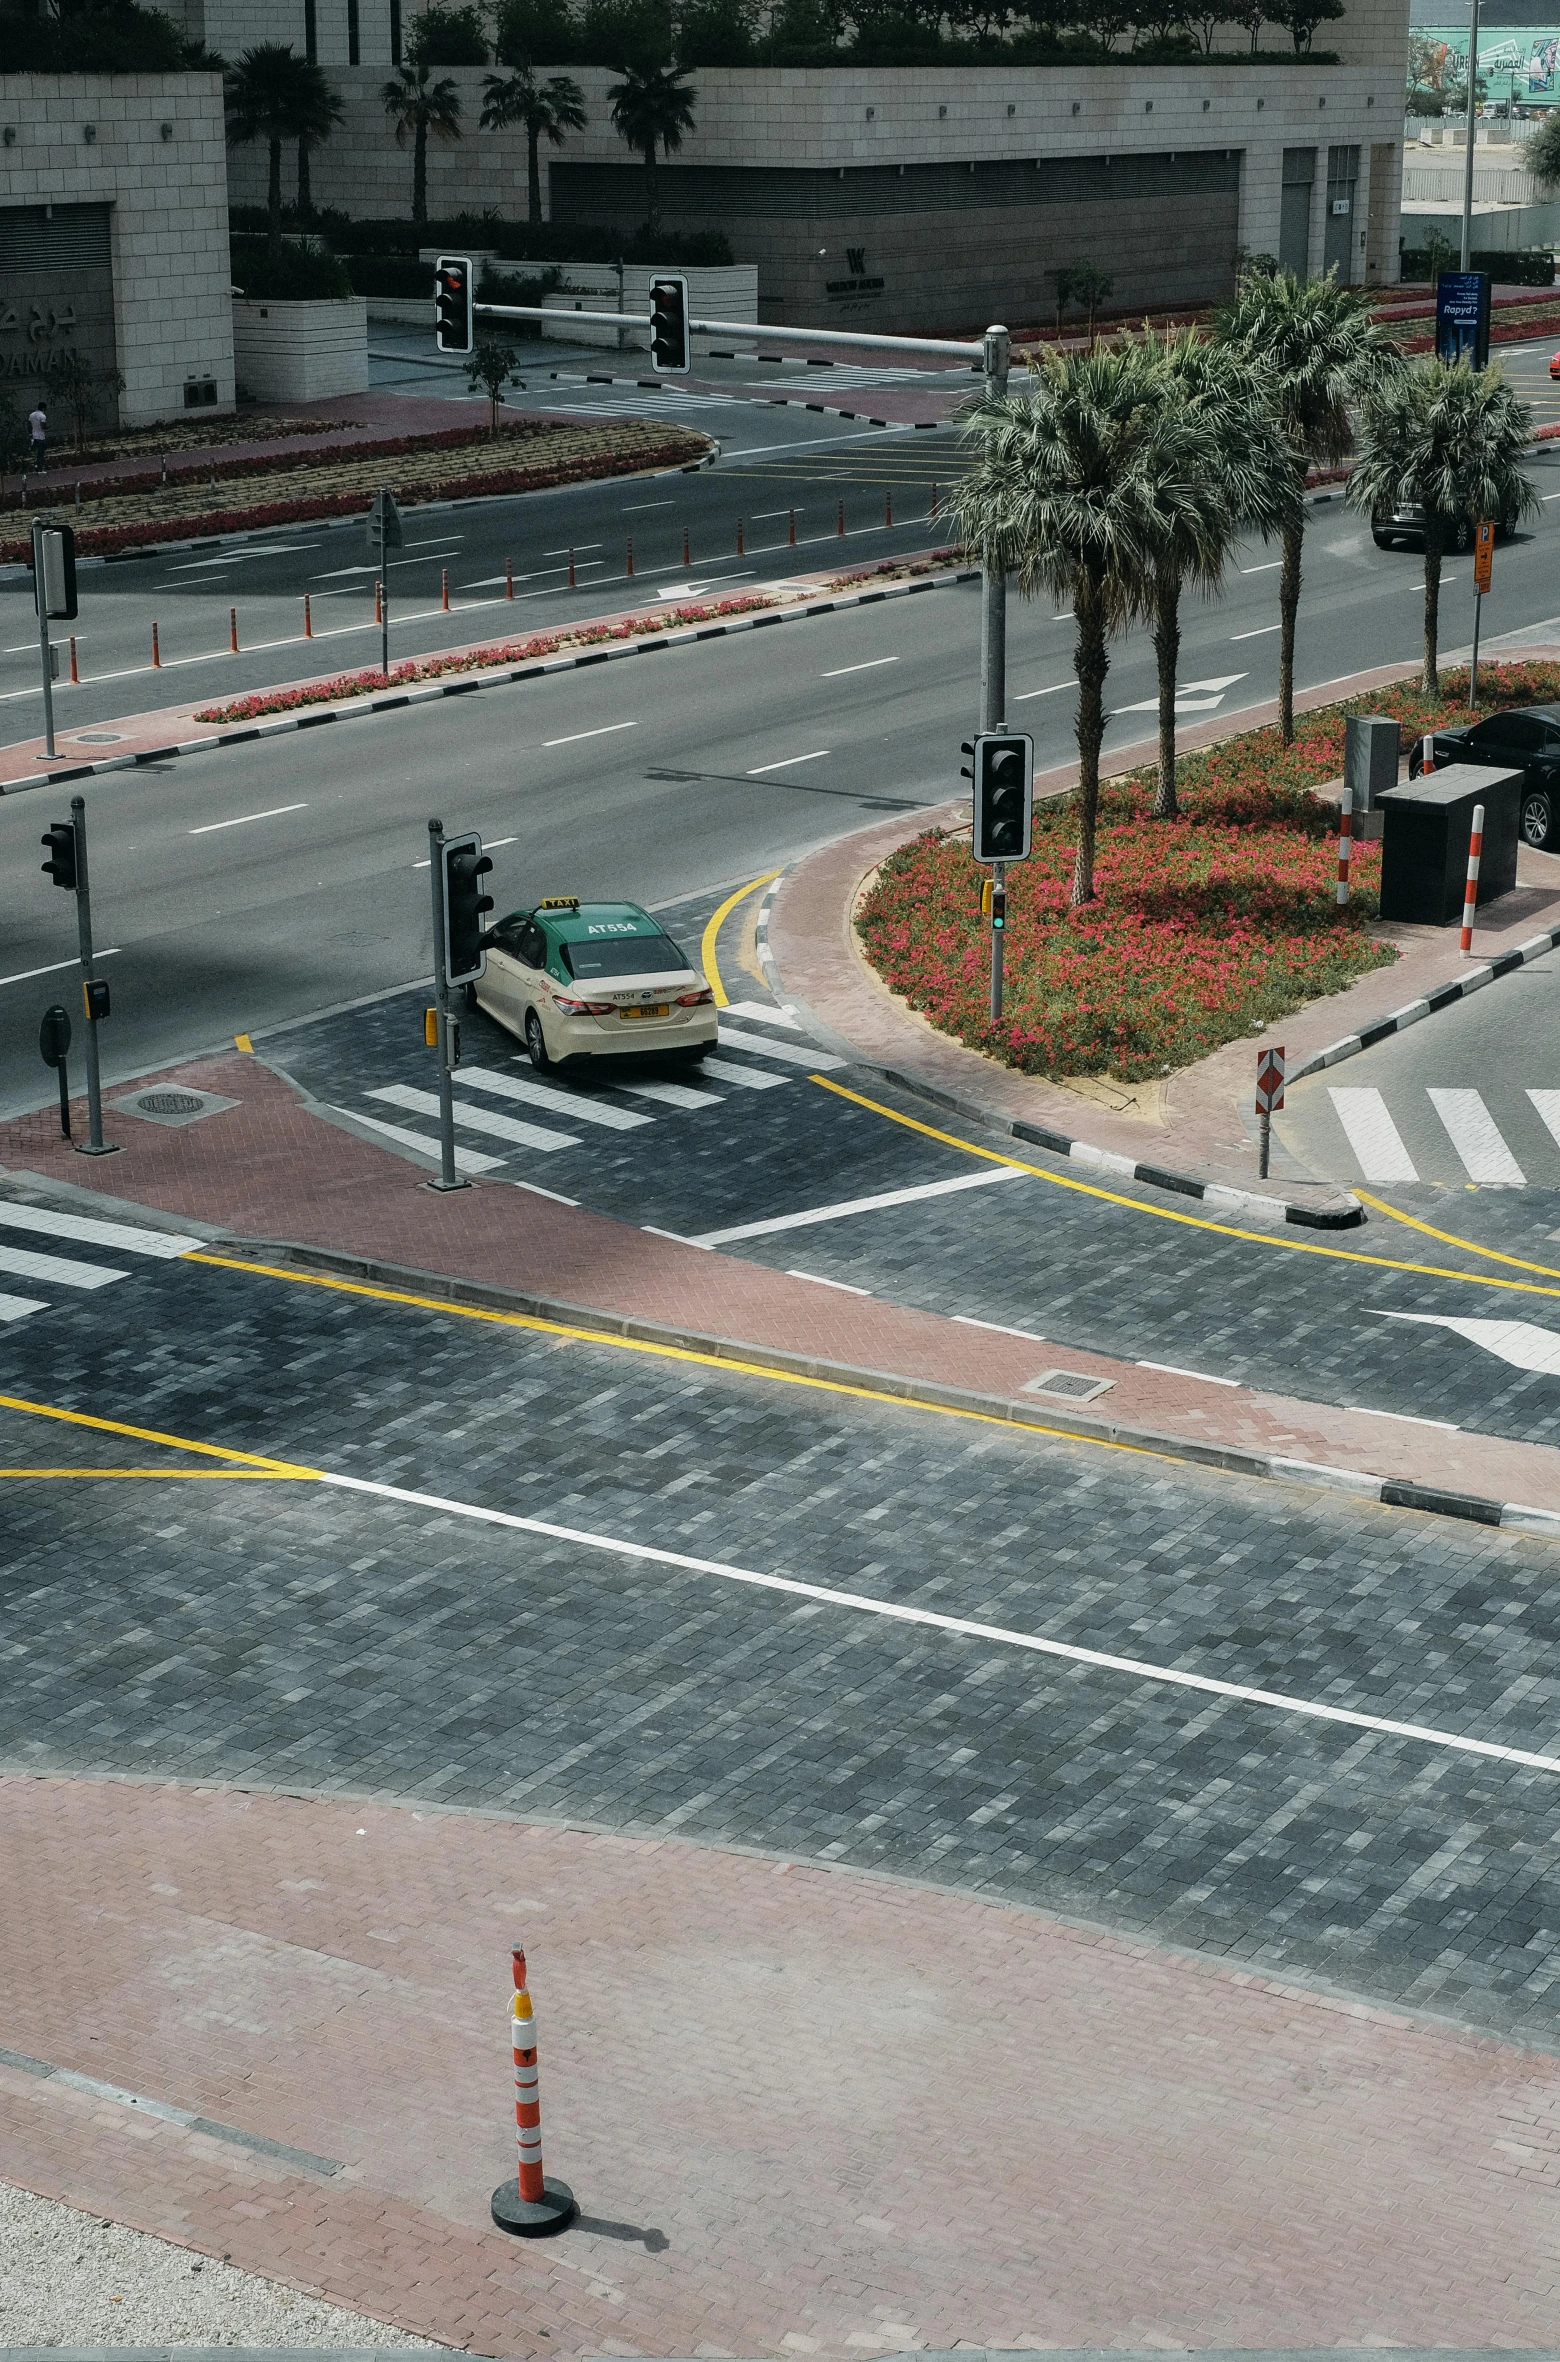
(1288, 610)
(533, 173)
(652, 192)
(1091, 664)
(305, 184)
(1430, 680)
(273, 202)
(420, 173)
(1167, 653)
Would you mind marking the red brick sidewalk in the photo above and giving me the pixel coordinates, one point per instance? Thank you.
(269, 1169)
(804, 2112)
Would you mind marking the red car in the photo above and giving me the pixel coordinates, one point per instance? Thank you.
(1554, 364)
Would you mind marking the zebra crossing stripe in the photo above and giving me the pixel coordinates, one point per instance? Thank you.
(475, 1119)
(48, 1224)
(766, 1015)
(1373, 1136)
(750, 1078)
(566, 1104)
(64, 1270)
(17, 1307)
(1547, 1103)
(1476, 1137)
(789, 1051)
(467, 1160)
(674, 1094)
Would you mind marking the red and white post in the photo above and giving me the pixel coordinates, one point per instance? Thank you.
(1270, 1097)
(531, 2205)
(1427, 754)
(1345, 843)
(1471, 890)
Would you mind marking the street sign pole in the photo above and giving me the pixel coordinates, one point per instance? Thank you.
(95, 1144)
(998, 922)
(1473, 89)
(1483, 577)
(1270, 1097)
(45, 651)
(448, 1177)
(384, 535)
(993, 597)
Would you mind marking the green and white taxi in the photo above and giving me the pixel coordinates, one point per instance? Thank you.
(580, 980)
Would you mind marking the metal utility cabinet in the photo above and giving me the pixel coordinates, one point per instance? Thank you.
(1424, 851)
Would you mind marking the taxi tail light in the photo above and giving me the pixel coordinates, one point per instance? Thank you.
(582, 1008)
(694, 1000)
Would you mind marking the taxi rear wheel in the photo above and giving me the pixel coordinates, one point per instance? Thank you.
(536, 1042)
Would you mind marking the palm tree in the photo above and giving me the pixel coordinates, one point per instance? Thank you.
(1244, 481)
(417, 104)
(652, 104)
(323, 110)
(1319, 350)
(1450, 439)
(1072, 487)
(547, 109)
(269, 95)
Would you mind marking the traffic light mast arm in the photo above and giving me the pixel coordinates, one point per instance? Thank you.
(888, 344)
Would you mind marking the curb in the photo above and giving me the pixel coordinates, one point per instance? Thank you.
(495, 677)
(1442, 998)
(1231, 1459)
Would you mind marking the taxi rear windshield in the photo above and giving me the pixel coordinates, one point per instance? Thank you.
(632, 955)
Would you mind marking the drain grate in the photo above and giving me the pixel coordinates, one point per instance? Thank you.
(1068, 1385)
(170, 1103)
(170, 1106)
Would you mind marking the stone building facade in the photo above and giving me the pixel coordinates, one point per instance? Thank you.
(113, 236)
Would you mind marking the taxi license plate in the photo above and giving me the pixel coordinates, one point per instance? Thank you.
(660, 1009)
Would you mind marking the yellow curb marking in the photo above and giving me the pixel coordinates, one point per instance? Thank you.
(170, 1475)
(257, 1461)
(1448, 1238)
(243, 1042)
(707, 957)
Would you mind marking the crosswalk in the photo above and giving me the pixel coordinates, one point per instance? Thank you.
(507, 1114)
(55, 1278)
(1452, 1136)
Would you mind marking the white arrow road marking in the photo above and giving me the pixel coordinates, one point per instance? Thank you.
(1520, 1342)
(1191, 697)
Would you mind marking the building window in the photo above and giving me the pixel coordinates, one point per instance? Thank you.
(311, 38)
(354, 45)
(1294, 222)
(395, 32)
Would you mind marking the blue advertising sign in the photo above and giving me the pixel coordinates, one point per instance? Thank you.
(1462, 317)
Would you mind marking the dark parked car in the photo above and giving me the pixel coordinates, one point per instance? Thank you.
(1526, 738)
(1392, 525)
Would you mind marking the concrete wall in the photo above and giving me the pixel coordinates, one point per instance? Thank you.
(150, 149)
(592, 286)
(300, 352)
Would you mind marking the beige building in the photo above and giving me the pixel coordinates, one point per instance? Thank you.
(113, 236)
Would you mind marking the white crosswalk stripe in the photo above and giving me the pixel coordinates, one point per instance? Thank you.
(474, 1119)
(571, 1106)
(763, 1014)
(748, 1078)
(1547, 1104)
(17, 1307)
(673, 1094)
(1473, 1133)
(467, 1160)
(64, 1270)
(46, 1223)
(71, 1272)
(1373, 1136)
(731, 1039)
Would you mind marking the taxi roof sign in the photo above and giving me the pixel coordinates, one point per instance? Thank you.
(559, 902)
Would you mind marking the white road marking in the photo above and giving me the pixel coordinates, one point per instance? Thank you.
(636, 507)
(791, 763)
(475, 1119)
(1520, 1342)
(91, 1233)
(871, 665)
(1173, 1370)
(787, 1051)
(860, 1205)
(961, 1627)
(1055, 688)
(605, 731)
(18, 1307)
(275, 813)
(1476, 1137)
(569, 553)
(843, 1285)
(1267, 569)
(25, 975)
(62, 1269)
(1256, 635)
(1364, 1410)
(1191, 697)
(765, 1014)
(750, 1078)
(570, 1104)
(1548, 1102)
(1373, 1136)
(467, 1160)
(673, 1094)
(967, 1320)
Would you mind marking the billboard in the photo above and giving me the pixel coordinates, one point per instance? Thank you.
(1462, 317)
(1515, 61)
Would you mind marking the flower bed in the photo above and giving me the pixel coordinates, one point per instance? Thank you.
(1203, 928)
(503, 652)
(344, 485)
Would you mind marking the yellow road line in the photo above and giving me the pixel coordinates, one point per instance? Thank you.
(707, 959)
(171, 1475)
(1257, 1238)
(538, 1325)
(177, 1443)
(1449, 1238)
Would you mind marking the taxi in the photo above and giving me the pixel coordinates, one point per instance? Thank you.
(577, 980)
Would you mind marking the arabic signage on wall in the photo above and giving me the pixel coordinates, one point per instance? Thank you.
(1521, 61)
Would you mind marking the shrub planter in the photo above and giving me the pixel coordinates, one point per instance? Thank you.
(300, 352)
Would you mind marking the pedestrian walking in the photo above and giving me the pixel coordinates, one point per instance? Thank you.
(38, 428)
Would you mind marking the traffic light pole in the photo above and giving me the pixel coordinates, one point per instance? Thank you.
(448, 1177)
(993, 658)
(45, 652)
(95, 1145)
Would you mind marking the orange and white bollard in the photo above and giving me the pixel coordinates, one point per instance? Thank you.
(888, 509)
(531, 2206)
(308, 618)
(1471, 890)
(630, 567)
(156, 651)
(687, 553)
(509, 578)
(840, 528)
(74, 673)
(934, 504)
(741, 552)
(379, 602)
(790, 538)
(1345, 843)
(1427, 754)
(444, 589)
(232, 631)
(571, 569)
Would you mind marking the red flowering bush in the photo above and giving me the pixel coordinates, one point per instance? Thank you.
(463, 660)
(1202, 928)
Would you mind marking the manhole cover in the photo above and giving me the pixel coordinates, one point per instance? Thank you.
(98, 737)
(1069, 1385)
(170, 1103)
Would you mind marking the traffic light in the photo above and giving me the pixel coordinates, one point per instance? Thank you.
(465, 950)
(1003, 779)
(452, 304)
(61, 864)
(669, 323)
(54, 581)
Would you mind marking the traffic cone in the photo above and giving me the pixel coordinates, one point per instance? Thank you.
(531, 2206)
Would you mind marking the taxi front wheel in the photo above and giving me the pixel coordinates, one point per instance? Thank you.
(536, 1042)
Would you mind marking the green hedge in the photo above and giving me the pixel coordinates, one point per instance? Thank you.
(381, 257)
(1532, 266)
(304, 274)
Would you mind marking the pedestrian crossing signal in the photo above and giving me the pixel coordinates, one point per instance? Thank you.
(1004, 778)
(452, 304)
(669, 323)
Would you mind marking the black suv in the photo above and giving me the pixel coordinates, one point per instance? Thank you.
(1407, 523)
(1526, 738)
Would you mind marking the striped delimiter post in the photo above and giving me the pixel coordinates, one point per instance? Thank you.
(1471, 891)
(1345, 843)
(1427, 754)
(530, 2205)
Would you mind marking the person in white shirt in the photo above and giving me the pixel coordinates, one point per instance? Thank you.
(38, 427)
